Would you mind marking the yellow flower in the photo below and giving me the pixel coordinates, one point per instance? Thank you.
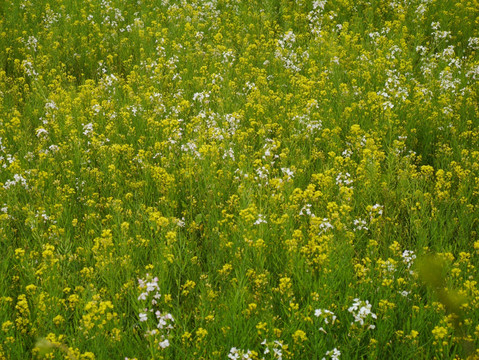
(58, 320)
(201, 334)
(439, 332)
(299, 336)
(6, 325)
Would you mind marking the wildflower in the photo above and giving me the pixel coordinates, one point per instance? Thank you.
(150, 286)
(325, 225)
(360, 224)
(201, 97)
(306, 210)
(299, 336)
(41, 132)
(87, 129)
(143, 316)
(334, 354)
(261, 220)
(237, 354)
(288, 172)
(17, 179)
(408, 257)
(473, 43)
(234, 354)
(29, 69)
(361, 310)
(343, 179)
(325, 315)
(439, 332)
(164, 344)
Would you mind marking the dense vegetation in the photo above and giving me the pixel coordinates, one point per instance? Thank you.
(233, 179)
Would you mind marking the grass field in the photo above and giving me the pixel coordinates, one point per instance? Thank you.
(231, 179)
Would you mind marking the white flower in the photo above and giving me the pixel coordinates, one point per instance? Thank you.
(260, 220)
(343, 179)
(408, 257)
(361, 310)
(288, 172)
(41, 132)
(360, 224)
(87, 129)
(29, 69)
(201, 97)
(473, 43)
(334, 354)
(164, 344)
(325, 225)
(143, 316)
(324, 313)
(150, 286)
(306, 210)
(234, 355)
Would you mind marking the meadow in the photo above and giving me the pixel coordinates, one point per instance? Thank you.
(226, 179)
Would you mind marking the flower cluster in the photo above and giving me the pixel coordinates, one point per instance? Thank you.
(361, 311)
(149, 297)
